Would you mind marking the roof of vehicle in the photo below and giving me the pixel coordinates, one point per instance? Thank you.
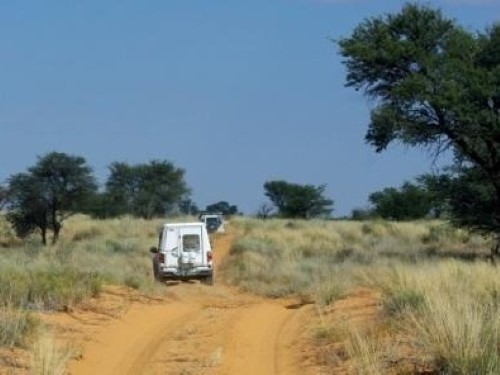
(178, 225)
(209, 213)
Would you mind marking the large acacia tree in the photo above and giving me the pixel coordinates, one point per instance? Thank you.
(56, 187)
(433, 84)
(298, 201)
(144, 190)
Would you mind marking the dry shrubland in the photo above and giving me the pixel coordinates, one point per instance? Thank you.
(438, 300)
(439, 304)
(89, 254)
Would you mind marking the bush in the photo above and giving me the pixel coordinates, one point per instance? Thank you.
(48, 288)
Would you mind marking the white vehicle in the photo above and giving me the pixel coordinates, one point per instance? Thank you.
(183, 253)
(213, 221)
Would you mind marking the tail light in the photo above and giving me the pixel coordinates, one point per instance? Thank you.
(161, 258)
(209, 256)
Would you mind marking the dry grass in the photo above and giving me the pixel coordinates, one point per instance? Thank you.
(450, 310)
(48, 358)
(90, 253)
(319, 258)
(364, 353)
(16, 326)
(436, 291)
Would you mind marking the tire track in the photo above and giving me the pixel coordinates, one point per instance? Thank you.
(206, 330)
(125, 346)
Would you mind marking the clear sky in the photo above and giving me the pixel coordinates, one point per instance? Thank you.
(236, 92)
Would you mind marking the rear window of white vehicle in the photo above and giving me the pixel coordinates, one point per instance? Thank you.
(191, 242)
(213, 221)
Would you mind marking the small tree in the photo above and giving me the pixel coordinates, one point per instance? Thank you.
(223, 207)
(56, 187)
(298, 201)
(406, 203)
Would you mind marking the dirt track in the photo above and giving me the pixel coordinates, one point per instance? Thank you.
(199, 329)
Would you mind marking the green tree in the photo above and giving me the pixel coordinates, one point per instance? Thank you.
(467, 196)
(188, 207)
(406, 203)
(56, 187)
(434, 84)
(298, 201)
(144, 190)
(223, 207)
(365, 213)
(101, 206)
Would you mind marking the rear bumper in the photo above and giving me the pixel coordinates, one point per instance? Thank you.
(185, 274)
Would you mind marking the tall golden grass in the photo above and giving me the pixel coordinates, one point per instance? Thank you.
(89, 254)
(436, 288)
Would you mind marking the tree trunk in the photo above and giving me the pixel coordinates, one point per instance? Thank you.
(44, 235)
(57, 229)
(56, 226)
(495, 247)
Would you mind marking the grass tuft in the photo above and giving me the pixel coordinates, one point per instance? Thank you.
(16, 326)
(403, 301)
(48, 358)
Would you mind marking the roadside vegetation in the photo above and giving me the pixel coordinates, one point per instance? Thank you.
(437, 297)
(90, 254)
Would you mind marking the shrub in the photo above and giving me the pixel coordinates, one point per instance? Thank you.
(49, 288)
(462, 336)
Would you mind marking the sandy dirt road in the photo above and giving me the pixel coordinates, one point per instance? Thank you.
(198, 329)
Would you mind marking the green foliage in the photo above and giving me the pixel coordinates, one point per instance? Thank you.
(57, 186)
(298, 201)
(223, 207)
(50, 288)
(434, 83)
(469, 196)
(362, 214)
(142, 190)
(407, 203)
(188, 207)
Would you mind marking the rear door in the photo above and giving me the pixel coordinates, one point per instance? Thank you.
(191, 246)
(171, 246)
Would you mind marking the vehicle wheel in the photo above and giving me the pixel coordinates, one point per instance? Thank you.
(156, 275)
(209, 280)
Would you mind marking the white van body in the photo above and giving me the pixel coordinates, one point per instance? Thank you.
(183, 253)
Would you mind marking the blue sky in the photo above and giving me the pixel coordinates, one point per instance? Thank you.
(235, 92)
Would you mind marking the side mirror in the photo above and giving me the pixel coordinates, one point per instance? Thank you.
(153, 250)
